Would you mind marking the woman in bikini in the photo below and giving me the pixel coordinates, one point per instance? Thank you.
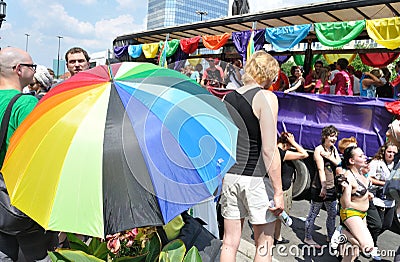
(354, 203)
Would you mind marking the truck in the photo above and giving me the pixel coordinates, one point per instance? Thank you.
(305, 115)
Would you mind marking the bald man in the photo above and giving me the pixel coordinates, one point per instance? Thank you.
(16, 71)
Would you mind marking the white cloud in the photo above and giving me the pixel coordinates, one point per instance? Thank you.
(104, 32)
(55, 18)
(111, 28)
(67, 22)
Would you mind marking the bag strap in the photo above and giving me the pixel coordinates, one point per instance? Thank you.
(6, 120)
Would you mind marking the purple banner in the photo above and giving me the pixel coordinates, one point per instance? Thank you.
(305, 115)
(241, 40)
(119, 51)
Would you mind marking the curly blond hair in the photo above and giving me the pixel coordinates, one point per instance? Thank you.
(261, 68)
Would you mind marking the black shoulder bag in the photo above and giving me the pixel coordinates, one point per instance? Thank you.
(12, 220)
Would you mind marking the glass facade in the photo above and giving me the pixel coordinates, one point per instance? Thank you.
(163, 13)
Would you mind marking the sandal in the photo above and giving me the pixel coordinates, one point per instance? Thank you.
(282, 241)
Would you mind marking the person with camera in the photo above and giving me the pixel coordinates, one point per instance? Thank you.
(285, 143)
(213, 75)
(233, 75)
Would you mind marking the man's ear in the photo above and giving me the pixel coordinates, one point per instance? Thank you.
(18, 70)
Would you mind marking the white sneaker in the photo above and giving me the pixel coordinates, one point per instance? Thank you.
(375, 254)
(336, 237)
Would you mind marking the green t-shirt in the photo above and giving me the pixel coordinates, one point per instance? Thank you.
(22, 107)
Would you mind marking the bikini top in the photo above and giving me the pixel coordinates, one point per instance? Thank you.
(361, 188)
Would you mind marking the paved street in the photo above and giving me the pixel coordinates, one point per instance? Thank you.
(296, 251)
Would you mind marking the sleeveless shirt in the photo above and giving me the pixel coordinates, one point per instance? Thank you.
(248, 150)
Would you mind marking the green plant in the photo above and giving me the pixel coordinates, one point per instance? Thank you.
(175, 251)
(131, 244)
(287, 66)
(142, 244)
(136, 245)
(357, 63)
(79, 251)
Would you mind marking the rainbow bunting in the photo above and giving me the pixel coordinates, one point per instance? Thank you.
(250, 46)
(162, 58)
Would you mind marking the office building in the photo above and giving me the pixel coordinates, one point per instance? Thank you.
(164, 13)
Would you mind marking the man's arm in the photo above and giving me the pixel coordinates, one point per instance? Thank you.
(204, 79)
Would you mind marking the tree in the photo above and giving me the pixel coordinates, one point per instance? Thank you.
(357, 63)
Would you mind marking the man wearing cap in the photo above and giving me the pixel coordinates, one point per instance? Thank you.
(16, 71)
(42, 81)
(213, 76)
(77, 60)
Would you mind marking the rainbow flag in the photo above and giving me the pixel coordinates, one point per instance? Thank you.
(162, 58)
(250, 45)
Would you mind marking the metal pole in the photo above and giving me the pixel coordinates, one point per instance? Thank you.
(3, 6)
(26, 46)
(201, 13)
(58, 56)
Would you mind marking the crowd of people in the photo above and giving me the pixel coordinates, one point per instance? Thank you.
(339, 78)
(259, 185)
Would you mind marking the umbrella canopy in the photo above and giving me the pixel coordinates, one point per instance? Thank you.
(119, 147)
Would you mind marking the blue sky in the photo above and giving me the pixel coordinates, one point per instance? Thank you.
(91, 24)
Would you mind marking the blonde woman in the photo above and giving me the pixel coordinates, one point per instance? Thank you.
(254, 110)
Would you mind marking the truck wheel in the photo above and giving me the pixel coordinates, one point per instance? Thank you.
(302, 178)
(396, 221)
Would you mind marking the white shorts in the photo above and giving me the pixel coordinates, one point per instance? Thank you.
(246, 196)
(288, 199)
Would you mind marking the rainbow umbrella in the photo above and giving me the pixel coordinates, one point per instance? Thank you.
(119, 147)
